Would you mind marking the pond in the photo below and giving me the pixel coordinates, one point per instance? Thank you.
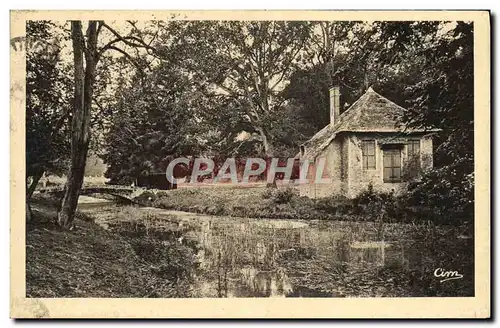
(241, 257)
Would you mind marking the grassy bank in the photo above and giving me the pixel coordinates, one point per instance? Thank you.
(280, 203)
(92, 262)
(273, 203)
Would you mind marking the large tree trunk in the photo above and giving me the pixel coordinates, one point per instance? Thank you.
(269, 153)
(268, 148)
(80, 122)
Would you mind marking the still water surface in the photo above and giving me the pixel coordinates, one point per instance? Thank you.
(239, 257)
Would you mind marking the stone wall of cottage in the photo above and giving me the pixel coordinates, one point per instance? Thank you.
(332, 170)
(344, 167)
(360, 178)
(426, 151)
(345, 171)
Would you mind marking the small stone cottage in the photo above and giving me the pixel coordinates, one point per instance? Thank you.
(365, 145)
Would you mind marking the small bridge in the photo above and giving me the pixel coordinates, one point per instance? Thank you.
(122, 192)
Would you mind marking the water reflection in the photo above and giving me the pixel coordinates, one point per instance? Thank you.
(276, 258)
(249, 258)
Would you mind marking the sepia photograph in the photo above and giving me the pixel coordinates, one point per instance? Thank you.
(172, 156)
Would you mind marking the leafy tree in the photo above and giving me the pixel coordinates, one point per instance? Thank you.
(154, 121)
(48, 103)
(444, 98)
(86, 55)
(243, 64)
(355, 56)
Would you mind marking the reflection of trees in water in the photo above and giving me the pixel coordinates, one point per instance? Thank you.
(245, 259)
(266, 283)
(244, 253)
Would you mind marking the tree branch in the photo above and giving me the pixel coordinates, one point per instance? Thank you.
(127, 39)
(124, 53)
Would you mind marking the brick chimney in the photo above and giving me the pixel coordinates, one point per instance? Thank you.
(334, 104)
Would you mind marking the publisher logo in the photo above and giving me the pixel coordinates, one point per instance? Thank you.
(447, 275)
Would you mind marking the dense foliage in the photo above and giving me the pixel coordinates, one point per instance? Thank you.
(48, 99)
(444, 98)
(209, 88)
(151, 124)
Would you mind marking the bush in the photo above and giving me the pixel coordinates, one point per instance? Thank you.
(283, 196)
(279, 196)
(335, 204)
(268, 193)
(146, 198)
(217, 209)
(367, 197)
(384, 206)
(444, 195)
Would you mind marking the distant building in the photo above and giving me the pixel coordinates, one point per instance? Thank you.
(365, 145)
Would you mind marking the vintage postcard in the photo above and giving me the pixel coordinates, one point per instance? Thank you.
(250, 164)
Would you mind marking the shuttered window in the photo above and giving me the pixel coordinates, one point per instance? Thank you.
(368, 149)
(414, 149)
(392, 165)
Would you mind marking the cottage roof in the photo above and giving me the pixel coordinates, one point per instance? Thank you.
(370, 113)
